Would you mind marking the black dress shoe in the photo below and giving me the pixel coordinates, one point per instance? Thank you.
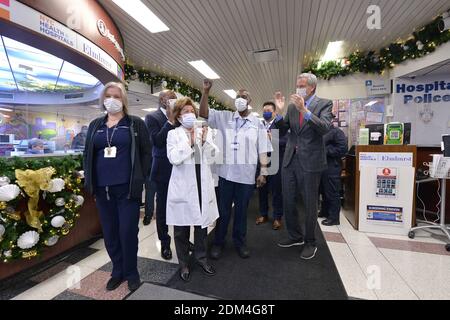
(113, 284)
(207, 269)
(216, 252)
(147, 220)
(329, 223)
(185, 274)
(191, 247)
(166, 254)
(243, 252)
(133, 285)
(322, 215)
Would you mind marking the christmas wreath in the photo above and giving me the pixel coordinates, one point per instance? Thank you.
(40, 201)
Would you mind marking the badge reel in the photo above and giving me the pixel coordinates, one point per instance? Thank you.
(110, 152)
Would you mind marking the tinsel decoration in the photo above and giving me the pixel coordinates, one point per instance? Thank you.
(151, 78)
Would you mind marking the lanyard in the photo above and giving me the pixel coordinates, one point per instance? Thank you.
(237, 123)
(109, 142)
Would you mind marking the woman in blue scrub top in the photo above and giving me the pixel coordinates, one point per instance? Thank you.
(116, 163)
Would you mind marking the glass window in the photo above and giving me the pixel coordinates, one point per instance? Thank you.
(35, 117)
(7, 82)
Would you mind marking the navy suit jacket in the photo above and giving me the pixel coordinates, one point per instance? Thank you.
(159, 128)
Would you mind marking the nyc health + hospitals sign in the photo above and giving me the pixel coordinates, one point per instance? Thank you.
(21, 14)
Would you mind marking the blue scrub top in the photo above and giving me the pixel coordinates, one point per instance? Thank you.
(113, 171)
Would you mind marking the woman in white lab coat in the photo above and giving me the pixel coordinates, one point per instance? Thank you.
(191, 200)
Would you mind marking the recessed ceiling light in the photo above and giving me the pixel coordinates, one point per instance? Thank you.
(334, 51)
(231, 93)
(204, 69)
(142, 14)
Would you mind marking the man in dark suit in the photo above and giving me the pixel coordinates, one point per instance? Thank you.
(150, 193)
(159, 124)
(309, 119)
(336, 145)
(273, 122)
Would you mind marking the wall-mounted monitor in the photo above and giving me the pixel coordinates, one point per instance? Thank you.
(25, 68)
(6, 138)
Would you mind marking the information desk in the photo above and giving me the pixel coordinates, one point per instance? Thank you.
(86, 228)
(385, 175)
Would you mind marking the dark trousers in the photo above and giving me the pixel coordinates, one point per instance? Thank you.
(161, 203)
(119, 217)
(330, 189)
(274, 187)
(240, 195)
(298, 182)
(150, 192)
(182, 243)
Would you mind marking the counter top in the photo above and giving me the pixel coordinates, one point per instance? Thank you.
(46, 155)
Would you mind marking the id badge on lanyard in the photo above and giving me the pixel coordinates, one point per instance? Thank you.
(110, 152)
(235, 144)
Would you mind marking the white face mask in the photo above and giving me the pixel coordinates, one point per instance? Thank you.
(302, 92)
(241, 105)
(188, 120)
(113, 105)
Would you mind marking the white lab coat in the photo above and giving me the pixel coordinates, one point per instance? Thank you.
(183, 204)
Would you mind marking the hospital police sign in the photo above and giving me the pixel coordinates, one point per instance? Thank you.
(424, 92)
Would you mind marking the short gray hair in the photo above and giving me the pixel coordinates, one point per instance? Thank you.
(311, 78)
(123, 91)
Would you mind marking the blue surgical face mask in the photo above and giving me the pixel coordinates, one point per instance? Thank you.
(267, 116)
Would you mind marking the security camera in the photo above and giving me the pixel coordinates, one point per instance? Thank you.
(444, 24)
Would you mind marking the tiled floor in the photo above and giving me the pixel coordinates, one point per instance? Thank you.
(372, 266)
(385, 267)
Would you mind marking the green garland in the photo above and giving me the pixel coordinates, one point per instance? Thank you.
(418, 45)
(183, 88)
(11, 217)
